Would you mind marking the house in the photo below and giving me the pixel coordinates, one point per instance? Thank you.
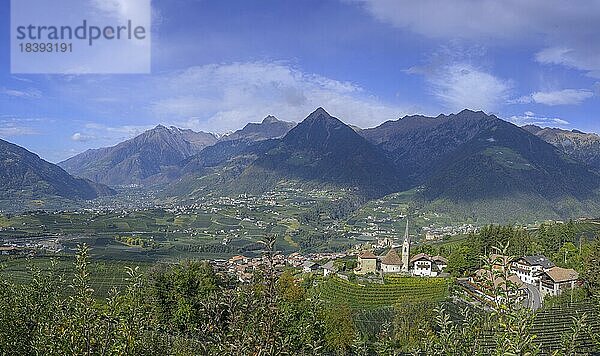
(440, 261)
(329, 268)
(309, 266)
(367, 263)
(529, 268)
(427, 266)
(391, 262)
(556, 280)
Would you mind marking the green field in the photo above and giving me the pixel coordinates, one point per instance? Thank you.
(337, 291)
(104, 275)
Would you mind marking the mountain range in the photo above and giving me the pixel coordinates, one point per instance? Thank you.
(578, 145)
(24, 175)
(136, 160)
(468, 161)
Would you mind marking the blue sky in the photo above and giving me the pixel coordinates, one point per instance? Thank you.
(217, 65)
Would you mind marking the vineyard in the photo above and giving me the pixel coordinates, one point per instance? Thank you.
(395, 290)
(104, 275)
(552, 324)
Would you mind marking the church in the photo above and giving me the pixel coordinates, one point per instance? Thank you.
(420, 265)
(391, 262)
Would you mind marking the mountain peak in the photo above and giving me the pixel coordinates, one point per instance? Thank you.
(318, 113)
(270, 119)
(472, 113)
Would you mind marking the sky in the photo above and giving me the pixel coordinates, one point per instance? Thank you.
(219, 64)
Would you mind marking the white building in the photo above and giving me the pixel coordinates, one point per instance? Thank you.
(309, 266)
(329, 268)
(426, 266)
(529, 268)
(556, 280)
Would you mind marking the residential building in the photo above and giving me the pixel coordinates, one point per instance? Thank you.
(367, 263)
(329, 268)
(529, 268)
(427, 266)
(309, 266)
(556, 280)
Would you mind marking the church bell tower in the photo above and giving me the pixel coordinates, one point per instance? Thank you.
(406, 250)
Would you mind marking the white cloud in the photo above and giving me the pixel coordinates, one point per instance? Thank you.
(224, 97)
(565, 30)
(79, 137)
(562, 97)
(14, 126)
(12, 131)
(584, 58)
(29, 93)
(556, 97)
(123, 10)
(462, 85)
(530, 118)
(93, 130)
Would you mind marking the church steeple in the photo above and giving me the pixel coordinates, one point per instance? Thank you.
(406, 250)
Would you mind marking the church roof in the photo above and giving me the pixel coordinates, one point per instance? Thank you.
(391, 258)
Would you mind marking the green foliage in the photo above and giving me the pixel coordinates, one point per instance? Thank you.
(188, 309)
(591, 267)
(339, 329)
(567, 297)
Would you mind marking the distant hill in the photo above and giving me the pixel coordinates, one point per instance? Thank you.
(471, 157)
(320, 151)
(579, 145)
(468, 164)
(25, 175)
(323, 149)
(136, 160)
(269, 128)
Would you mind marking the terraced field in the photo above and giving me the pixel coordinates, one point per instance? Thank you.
(395, 290)
(551, 324)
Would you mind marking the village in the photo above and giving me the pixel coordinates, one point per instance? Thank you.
(526, 278)
(531, 277)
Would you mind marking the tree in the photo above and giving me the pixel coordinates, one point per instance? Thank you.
(339, 329)
(591, 268)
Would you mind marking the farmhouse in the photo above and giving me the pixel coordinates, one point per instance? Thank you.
(329, 268)
(427, 266)
(309, 266)
(556, 280)
(367, 263)
(529, 268)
